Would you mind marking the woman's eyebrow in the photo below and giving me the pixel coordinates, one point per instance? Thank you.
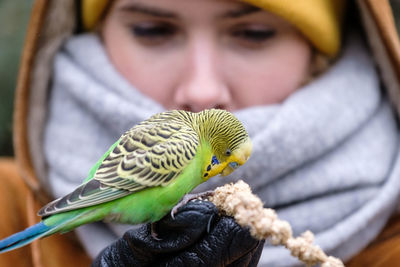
(148, 10)
(243, 11)
(159, 12)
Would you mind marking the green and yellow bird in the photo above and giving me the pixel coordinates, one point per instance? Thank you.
(146, 172)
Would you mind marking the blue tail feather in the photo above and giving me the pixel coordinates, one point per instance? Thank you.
(24, 237)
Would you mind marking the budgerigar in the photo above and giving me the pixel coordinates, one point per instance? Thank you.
(146, 172)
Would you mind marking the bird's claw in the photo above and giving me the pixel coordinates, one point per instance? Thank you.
(153, 232)
(188, 197)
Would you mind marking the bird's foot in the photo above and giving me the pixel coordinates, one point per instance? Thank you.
(153, 231)
(188, 197)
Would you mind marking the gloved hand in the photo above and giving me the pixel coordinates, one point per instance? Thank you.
(197, 236)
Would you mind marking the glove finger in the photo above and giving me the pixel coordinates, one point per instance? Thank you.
(231, 241)
(227, 243)
(117, 254)
(191, 219)
(190, 223)
(250, 259)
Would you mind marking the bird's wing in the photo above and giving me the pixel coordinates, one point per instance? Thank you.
(146, 156)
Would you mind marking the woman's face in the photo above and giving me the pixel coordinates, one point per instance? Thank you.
(197, 54)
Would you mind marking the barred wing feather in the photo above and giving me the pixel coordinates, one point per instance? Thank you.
(150, 154)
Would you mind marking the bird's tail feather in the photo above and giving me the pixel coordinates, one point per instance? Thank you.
(24, 237)
(36, 231)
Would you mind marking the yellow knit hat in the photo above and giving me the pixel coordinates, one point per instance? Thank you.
(318, 20)
(92, 10)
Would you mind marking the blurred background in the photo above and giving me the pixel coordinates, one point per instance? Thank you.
(396, 11)
(14, 16)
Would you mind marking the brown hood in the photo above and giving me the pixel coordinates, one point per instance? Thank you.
(52, 22)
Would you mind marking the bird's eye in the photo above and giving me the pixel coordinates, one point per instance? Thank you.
(233, 165)
(228, 152)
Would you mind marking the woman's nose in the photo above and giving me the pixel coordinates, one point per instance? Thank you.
(202, 85)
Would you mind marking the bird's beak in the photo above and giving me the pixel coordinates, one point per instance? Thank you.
(227, 170)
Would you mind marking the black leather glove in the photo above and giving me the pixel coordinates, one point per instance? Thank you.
(197, 236)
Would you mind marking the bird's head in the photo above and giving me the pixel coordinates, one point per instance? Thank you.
(230, 143)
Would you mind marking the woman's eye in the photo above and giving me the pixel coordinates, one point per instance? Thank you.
(153, 33)
(253, 35)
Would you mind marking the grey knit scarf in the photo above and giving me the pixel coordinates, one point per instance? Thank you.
(326, 158)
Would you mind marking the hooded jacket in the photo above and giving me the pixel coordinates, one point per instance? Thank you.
(25, 182)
